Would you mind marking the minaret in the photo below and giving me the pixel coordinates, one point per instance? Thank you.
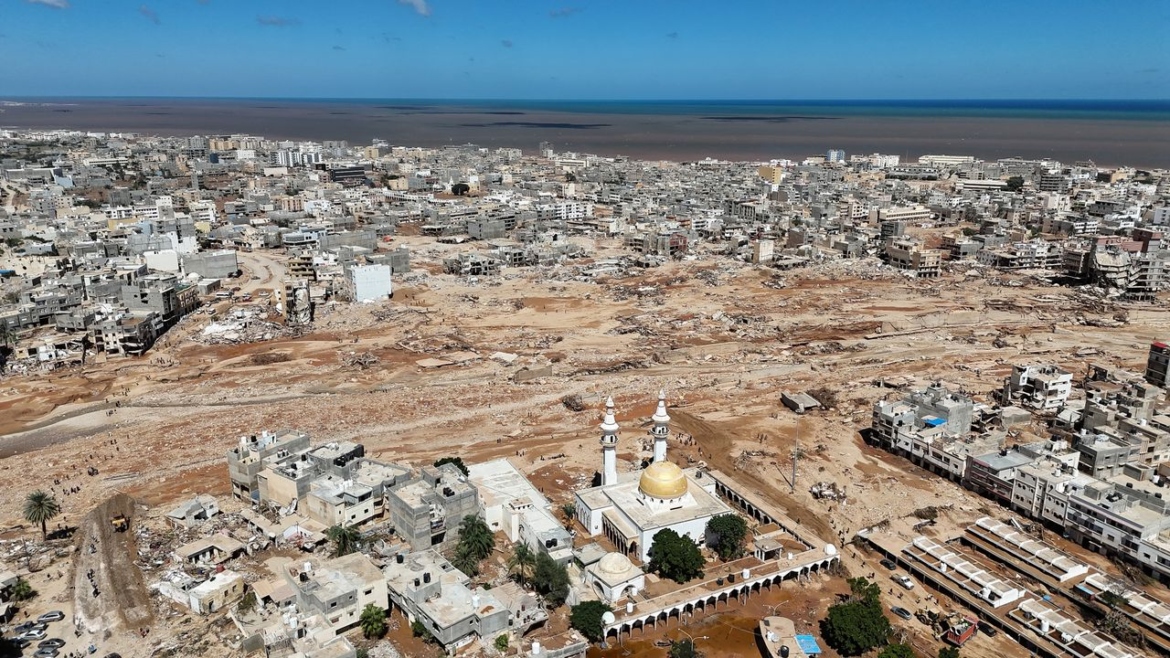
(660, 429)
(609, 430)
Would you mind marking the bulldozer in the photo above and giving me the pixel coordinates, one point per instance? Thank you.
(120, 523)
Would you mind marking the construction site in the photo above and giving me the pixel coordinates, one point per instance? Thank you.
(518, 366)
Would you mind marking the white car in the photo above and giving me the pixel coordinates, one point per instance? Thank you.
(904, 581)
(33, 634)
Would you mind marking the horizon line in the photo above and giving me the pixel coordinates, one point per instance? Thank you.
(595, 100)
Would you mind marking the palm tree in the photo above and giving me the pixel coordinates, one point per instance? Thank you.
(476, 537)
(345, 539)
(523, 561)
(40, 507)
(373, 621)
(21, 590)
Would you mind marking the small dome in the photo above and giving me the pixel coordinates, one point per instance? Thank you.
(663, 480)
(614, 564)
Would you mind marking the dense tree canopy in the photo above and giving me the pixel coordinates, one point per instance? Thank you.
(373, 621)
(476, 542)
(345, 539)
(857, 624)
(586, 617)
(551, 580)
(684, 649)
(897, 651)
(675, 557)
(458, 461)
(728, 533)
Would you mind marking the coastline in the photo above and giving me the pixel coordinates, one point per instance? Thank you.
(680, 133)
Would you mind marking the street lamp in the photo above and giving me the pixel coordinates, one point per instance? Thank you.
(692, 639)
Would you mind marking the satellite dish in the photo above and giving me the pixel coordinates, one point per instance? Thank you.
(608, 618)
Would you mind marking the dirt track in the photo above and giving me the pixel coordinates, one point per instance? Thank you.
(109, 592)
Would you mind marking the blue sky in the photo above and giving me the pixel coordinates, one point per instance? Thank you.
(607, 49)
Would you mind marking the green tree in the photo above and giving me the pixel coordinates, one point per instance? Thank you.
(476, 542)
(684, 649)
(522, 562)
(459, 189)
(21, 591)
(570, 512)
(586, 617)
(1014, 184)
(417, 629)
(458, 461)
(501, 643)
(551, 580)
(675, 557)
(8, 339)
(857, 624)
(729, 532)
(864, 591)
(363, 653)
(40, 508)
(897, 651)
(373, 621)
(948, 652)
(345, 539)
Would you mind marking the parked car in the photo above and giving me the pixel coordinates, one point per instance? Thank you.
(902, 612)
(987, 629)
(55, 615)
(34, 634)
(51, 643)
(50, 652)
(888, 563)
(904, 581)
(26, 626)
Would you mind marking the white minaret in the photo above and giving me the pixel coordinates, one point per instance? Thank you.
(660, 430)
(609, 430)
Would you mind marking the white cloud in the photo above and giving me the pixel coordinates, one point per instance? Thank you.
(420, 6)
(55, 4)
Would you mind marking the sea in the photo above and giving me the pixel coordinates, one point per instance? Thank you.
(1108, 132)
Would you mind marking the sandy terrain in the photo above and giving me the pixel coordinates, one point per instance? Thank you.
(722, 341)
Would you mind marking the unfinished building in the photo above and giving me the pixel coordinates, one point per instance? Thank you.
(427, 510)
(909, 256)
(472, 264)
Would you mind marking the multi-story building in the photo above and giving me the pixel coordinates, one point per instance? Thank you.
(246, 460)
(1043, 388)
(427, 510)
(338, 588)
(1158, 364)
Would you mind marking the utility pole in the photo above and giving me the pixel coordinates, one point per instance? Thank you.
(795, 456)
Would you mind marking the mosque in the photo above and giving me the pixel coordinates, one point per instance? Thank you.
(630, 508)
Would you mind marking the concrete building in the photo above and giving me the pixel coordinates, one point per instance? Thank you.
(429, 589)
(908, 255)
(631, 508)
(426, 511)
(1043, 388)
(338, 588)
(246, 460)
(371, 282)
(510, 503)
(221, 264)
(1158, 364)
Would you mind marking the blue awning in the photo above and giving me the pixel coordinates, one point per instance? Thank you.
(808, 644)
(933, 421)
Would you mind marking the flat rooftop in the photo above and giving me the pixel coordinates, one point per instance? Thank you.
(1052, 561)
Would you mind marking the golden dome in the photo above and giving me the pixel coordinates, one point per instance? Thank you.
(663, 480)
